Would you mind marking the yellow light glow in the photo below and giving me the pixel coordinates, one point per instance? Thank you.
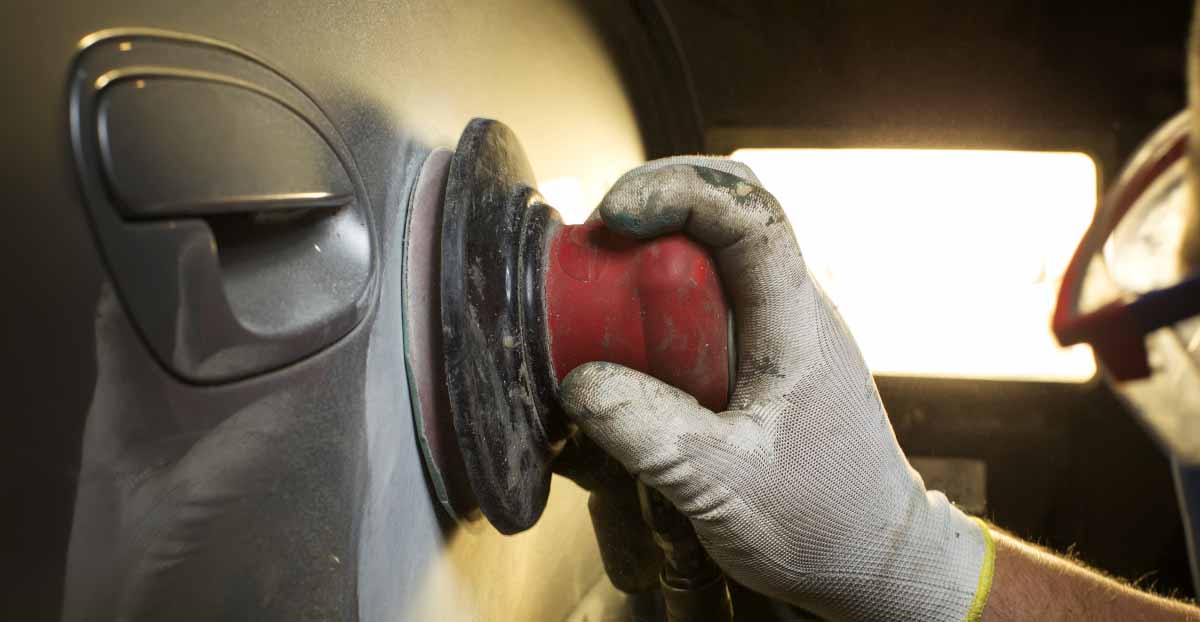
(566, 194)
(942, 262)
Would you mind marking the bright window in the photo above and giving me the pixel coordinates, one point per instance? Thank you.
(942, 262)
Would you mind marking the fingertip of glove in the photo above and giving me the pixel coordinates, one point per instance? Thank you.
(645, 202)
(585, 382)
(586, 373)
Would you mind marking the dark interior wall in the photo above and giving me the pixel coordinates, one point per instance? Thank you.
(930, 69)
(1066, 465)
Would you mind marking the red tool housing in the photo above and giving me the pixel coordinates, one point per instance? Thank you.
(656, 306)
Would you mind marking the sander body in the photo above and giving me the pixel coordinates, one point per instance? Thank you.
(502, 301)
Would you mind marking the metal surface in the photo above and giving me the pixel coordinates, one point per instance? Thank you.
(297, 493)
(178, 143)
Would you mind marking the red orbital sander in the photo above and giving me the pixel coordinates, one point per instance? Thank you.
(502, 301)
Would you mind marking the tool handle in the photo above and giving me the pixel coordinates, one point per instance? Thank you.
(656, 306)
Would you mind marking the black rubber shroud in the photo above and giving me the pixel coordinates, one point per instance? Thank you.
(495, 230)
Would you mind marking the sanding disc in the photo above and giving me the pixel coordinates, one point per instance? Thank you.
(423, 354)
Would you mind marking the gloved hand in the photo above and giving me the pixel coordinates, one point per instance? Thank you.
(799, 490)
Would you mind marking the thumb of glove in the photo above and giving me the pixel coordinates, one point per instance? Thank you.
(634, 417)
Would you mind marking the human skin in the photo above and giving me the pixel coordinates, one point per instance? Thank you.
(1032, 583)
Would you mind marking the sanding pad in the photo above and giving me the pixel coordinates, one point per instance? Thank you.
(494, 232)
(423, 355)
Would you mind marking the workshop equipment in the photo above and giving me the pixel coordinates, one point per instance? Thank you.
(502, 301)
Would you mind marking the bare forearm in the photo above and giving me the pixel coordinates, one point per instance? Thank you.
(1034, 584)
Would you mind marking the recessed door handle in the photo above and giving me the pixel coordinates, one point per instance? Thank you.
(227, 206)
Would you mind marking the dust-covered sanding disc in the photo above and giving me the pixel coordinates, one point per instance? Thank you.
(423, 341)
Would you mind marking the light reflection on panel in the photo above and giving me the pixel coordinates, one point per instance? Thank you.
(942, 262)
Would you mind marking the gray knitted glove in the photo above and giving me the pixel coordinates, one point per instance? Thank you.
(799, 490)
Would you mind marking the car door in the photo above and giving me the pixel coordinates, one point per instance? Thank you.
(207, 411)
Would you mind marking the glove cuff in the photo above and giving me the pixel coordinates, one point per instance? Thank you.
(939, 570)
(983, 588)
(950, 559)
